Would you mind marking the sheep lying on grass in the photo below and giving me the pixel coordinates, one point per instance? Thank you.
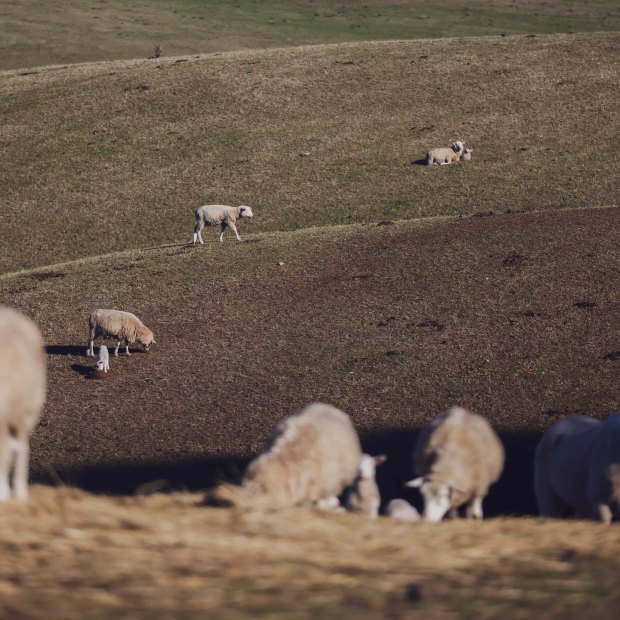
(577, 468)
(363, 495)
(444, 156)
(310, 457)
(103, 359)
(22, 394)
(402, 510)
(458, 457)
(119, 325)
(212, 215)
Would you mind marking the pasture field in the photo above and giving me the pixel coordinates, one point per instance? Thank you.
(70, 31)
(389, 289)
(121, 153)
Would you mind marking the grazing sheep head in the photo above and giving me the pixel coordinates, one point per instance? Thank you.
(458, 146)
(245, 211)
(437, 497)
(368, 466)
(146, 338)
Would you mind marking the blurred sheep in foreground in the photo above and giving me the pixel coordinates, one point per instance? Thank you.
(458, 456)
(402, 510)
(22, 395)
(310, 457)
(363, 495)
(577, 468)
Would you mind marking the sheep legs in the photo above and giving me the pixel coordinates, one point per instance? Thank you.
(21, 449)
(198, 237)
(118, 346)
(5, 463)
(234, 228)
(602, 513)
(474, 510)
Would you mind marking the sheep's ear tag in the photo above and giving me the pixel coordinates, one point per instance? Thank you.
(415, 483)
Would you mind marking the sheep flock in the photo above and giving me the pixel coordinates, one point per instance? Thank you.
(313, 458)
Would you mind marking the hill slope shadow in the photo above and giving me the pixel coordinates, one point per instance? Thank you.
(511, 495)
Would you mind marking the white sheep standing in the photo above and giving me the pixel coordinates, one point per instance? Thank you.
(222, 215)
(363, 496)
(457, 457)
(310, 457)
(466, 156)
(577, 468)
(401, 510)
(103, 359)
(22, 395)
(119, 325)
(444, 156)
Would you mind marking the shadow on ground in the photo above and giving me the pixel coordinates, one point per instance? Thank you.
(512, 495)
(65, 349)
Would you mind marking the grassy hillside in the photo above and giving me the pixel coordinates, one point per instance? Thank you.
(77, 556)
(389, 289)
(515, 316)
(70, 31)
(106, 157)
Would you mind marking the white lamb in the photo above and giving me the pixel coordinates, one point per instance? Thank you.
(22, 395)
(444, 156)
(402, 510)
(222, 215)
(103, 360)
(310, 457)
(577, 468)
(466, 156)
(119, 325)
(458, 457)
(363, 495)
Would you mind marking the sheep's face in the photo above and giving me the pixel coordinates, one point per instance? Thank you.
(147, 340)
(368, 466)
(458, 146)
(245, 211)
(437, 498)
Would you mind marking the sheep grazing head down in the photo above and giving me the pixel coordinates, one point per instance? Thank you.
(146, 338)
(245, 211)
(438, 497)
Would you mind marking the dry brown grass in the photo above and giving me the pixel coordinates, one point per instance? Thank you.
(111, 156)
(71, 555)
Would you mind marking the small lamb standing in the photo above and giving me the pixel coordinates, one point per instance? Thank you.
(310, 457)
(212, 215)
(22, 395)
(458, 456)
(119, 325)
(103, 359)
(577, 468)
(363, 495)
(444, 156)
